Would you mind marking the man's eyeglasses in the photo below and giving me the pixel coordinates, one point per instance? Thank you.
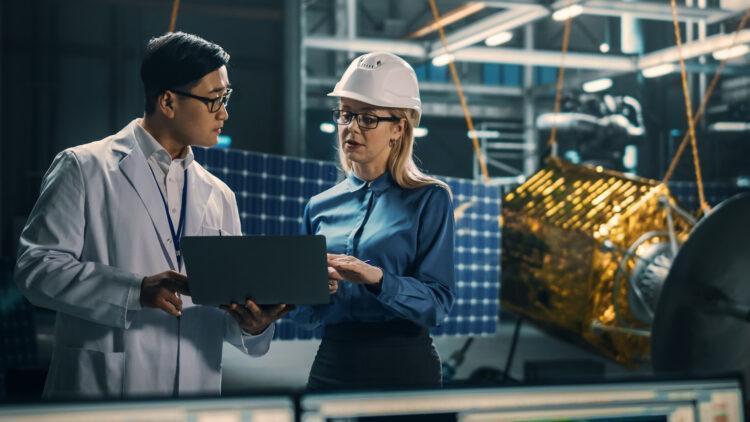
(364, 120)
(213, 104)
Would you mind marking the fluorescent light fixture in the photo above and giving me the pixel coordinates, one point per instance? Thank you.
(485, 134)
(420, 132)
(729, 126)
(659, 70)
(499, 38)
(572, 156)
(630, 158)
(567, 12)
(327, 127)
(597, 85)
(731, 52)
(442, 60)
(224, 141)
(743, 182)
(604, 48)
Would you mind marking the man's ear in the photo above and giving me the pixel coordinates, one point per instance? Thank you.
(165, 103)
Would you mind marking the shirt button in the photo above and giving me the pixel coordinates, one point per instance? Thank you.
(169, 240)
(174, 209)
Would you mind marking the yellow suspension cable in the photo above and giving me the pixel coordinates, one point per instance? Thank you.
(704, 103)
(173, 18)
(689, 111)
(460, 91)
(552, 142)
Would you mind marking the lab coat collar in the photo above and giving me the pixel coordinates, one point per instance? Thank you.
(133, 165)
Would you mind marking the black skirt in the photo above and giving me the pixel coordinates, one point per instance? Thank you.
(362, 355)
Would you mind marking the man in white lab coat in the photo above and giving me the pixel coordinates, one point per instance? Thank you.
(101, 246)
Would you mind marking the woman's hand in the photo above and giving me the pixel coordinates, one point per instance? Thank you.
(352, 269)
(333, 280)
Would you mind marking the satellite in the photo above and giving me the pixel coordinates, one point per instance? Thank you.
(610, 261)
(585, 253)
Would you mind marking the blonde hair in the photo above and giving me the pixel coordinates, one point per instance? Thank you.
(400, 162)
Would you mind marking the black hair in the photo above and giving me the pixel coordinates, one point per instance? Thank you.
(176, 60)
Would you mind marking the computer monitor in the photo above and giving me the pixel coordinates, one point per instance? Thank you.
(683, 401)
(259, 409)
(677, 412)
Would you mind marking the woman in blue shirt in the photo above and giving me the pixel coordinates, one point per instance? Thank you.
(389, 232)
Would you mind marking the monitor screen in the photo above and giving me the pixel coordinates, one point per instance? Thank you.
(271, 409)
(715, 401)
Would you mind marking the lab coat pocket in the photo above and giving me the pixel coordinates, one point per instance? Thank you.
(88, 373)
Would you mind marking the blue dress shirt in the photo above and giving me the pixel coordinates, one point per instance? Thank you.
(408, 233)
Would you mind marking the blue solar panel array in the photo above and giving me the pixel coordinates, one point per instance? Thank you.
(272, 192)
(687, 193)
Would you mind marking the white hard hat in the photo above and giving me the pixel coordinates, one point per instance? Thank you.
(380, 79)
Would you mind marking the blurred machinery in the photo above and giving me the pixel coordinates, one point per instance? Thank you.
(585, 252)
(595, 129)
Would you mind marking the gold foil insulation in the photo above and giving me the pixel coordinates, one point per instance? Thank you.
(565, 232)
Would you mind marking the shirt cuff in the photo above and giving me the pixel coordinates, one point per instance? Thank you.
(389, 289)
(247, 335)
(134, 294)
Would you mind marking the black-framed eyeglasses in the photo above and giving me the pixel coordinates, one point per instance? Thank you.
(364, 120)
(213, 104)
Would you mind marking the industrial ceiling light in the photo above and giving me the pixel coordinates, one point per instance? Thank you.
(732, 52)
(327, 127)
(729, 127)
(597, 85)
(567, 12)
(485, 134)
(604, 47)
(420, 132)
(442, 60)
(659, 70)
(499, 38)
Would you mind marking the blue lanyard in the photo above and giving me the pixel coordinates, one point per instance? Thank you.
(176, 235)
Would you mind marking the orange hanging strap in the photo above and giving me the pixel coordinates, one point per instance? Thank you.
(173, 18)
(461, 97)
(552, 142)
(704, 103)
(689, 111)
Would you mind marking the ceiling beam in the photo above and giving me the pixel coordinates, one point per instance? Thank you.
(609, 62)
(450, 17)
(506, 20)
(478, 54)
(363, 45)
(649, 10)
(545, 58)
(652, 11)
(436, 87)
(694, 49)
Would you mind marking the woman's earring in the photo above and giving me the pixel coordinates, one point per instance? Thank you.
(391, 143)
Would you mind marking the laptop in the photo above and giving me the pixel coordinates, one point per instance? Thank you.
(267, 269)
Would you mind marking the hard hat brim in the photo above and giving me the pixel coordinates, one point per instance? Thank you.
(358, 97)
